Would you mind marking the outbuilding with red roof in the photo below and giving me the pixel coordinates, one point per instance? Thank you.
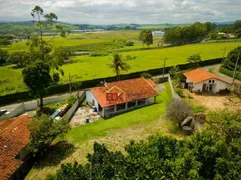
(199, 80)
(120, 96)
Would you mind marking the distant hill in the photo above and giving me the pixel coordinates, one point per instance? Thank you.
(224, 23)
(19, 27)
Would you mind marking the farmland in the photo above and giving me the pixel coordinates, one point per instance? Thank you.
(87, 67)
(88, 41)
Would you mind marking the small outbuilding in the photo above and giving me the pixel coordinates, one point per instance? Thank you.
(121, 96)
(199, 80)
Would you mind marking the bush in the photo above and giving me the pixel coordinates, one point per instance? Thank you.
(146, 75)
(178, 110)
(179, 91)
(129, 43)
(128, 57)
(199, 109)
(99, 53)
(71, 99)
(230, 73)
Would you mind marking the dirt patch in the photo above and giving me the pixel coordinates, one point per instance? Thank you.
(214, 102)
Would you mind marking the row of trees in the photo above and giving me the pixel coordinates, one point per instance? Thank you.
(213, 153)
(188, 34)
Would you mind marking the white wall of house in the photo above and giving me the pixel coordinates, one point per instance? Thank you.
(217, 85)
(90, 97)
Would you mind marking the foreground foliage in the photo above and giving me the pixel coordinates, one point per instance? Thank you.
(212, 154)
(44, 130)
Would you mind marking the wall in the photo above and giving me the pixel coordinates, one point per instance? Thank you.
(75, 106)
(219, 85)
(32, 105)
(174, 94)
(90, 97)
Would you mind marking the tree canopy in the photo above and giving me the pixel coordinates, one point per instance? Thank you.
(146, 37)
(194, 33)
(37, 77)
(43, 130)
(4, 56)
(213, 153)
(230, 61)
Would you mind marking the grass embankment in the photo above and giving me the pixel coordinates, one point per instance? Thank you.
(86, 67)
(115, 132)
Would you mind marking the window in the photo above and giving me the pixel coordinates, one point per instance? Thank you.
(213, 81)
(210, 81)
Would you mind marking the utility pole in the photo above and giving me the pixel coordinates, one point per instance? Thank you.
(69, 84)
(235, 69)
(164, 65)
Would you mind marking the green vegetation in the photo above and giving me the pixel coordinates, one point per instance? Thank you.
(86, 67)
(232, 63)
(213, 153)
(194, 33)
(115, 131)
(199, 109)
(43, 130)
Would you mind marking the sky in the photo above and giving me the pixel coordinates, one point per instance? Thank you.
(125, 11)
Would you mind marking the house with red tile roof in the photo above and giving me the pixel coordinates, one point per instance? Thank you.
(14, 137)
(120, 96)
(199, 80)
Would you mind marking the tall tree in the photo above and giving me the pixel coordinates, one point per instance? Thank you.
(194, 60)
(3, 56)
(37, 77)
(118, 65)
(146, 37)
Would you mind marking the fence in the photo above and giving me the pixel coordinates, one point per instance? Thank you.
(32, 105)
(75, 106)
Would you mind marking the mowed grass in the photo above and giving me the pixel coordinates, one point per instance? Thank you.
(115, 132)
(86, 67)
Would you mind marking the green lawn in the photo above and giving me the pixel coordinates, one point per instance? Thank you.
(115, 132)
(86, 67)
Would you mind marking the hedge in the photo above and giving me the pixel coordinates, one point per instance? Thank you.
(64, 88)
(230, 73)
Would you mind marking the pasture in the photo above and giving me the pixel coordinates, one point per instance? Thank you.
(87, 67)
(107, 40)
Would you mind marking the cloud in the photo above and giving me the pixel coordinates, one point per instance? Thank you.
(123, 11)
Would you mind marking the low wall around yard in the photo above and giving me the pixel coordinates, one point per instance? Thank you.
(74, 107)
(32, 105)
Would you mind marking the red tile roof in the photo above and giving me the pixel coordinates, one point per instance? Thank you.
(200, 75)
(128, 90)
(14, 136)
(152, 83)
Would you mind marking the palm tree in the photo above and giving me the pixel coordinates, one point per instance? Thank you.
(118, 65)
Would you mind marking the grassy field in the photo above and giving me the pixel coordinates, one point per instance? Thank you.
(115, 132)
(86, 67)
(88, 41)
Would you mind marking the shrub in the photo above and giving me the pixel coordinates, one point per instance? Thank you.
(71, 99)
(146, 75)
(128, 57)
(99, 53)
(199, 109)
(178, 110)
(230, 73)
(179, 91)
(129, 43)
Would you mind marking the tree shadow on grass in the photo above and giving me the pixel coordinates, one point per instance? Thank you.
(55, 154)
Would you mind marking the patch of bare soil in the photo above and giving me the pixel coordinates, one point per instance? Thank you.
(214, 102)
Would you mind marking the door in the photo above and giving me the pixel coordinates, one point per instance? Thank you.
(204, 87)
